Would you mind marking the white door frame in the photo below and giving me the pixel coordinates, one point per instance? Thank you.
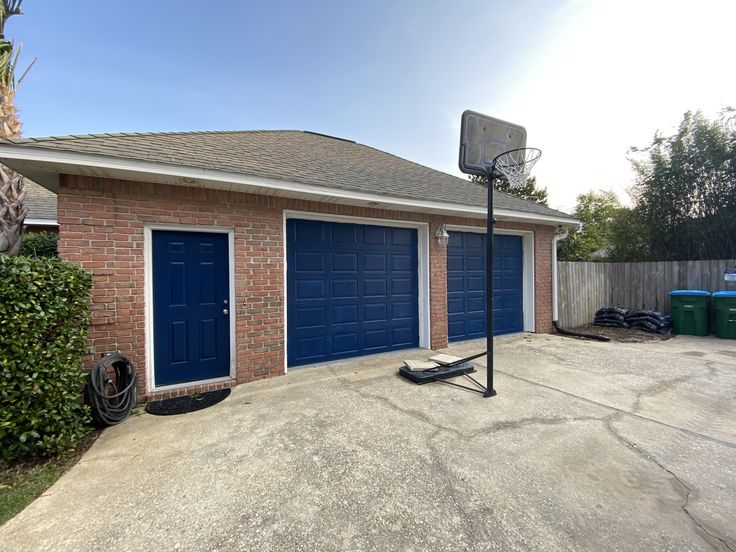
(148, 275)
(527, 244)
(422, 229)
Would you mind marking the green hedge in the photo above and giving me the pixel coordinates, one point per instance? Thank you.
(39, 244)
(44, 315)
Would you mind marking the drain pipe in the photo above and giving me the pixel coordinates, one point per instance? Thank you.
(561, 233)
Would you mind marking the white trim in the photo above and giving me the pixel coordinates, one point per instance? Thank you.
(560, 234)
(40, 222)
(422, 228)
(70, 162)
(529, 268)
(148, 293)
(286, 304)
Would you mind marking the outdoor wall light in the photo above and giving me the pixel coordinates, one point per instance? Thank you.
(442, 236)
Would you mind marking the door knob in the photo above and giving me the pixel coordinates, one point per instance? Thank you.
(225, 311)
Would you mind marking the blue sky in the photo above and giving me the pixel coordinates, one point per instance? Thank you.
(588, 79)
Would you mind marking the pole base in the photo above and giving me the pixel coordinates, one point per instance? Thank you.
(489, 393)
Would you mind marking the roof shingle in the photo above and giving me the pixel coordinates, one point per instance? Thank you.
(297, 156)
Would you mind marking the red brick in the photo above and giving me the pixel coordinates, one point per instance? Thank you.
(101, 228)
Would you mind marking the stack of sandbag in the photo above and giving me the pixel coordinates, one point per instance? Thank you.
(650, 321)
(611, 316)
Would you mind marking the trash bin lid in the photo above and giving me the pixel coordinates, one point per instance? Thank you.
(695, 292)
(724, 294)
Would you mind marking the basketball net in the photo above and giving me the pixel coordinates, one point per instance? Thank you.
(516, 165)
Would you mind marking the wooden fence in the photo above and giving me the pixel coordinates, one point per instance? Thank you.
(583, 288)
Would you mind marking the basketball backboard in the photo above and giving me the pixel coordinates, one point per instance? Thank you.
(483, 137)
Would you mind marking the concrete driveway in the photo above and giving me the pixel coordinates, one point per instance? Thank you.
(588, 446)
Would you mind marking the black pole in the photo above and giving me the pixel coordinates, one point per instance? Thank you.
(490, 391)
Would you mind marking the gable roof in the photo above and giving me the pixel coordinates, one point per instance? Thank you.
(41, 205)
(296, 156)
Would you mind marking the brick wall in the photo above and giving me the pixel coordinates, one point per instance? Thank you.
(102, 229)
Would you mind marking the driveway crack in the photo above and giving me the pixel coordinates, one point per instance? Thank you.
(686, 491)
(662, 386)
(493, 428)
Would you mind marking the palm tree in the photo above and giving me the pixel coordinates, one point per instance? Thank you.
(12, 186)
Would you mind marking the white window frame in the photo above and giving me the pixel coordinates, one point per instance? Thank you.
(422, 228)
(527, 244)
(148, 230)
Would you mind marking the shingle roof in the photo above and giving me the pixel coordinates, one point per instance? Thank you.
(41, 202)
(296, 156)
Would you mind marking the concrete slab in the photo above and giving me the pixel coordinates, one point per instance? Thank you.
(588, 446)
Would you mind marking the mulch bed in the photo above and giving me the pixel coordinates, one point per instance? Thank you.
(624, 335)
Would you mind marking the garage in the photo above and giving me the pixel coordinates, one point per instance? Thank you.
(466, 285)
(352, 289)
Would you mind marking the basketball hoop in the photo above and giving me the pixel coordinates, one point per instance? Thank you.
(493, 148)
(515, 165)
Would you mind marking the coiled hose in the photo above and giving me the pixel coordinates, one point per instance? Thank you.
(111, 399)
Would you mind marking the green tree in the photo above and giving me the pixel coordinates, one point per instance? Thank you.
(597, 211)
(529, 191)
(12, 185)
(685, 190)
(628, 237)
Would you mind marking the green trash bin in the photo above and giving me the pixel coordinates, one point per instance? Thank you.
(690, 311)
(724, 306)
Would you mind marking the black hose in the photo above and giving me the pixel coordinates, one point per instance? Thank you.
(111, 400)
(563, 331)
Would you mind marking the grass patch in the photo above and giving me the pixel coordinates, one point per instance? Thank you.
(22, 482)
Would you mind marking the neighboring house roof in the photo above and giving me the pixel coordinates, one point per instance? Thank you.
(304, 158)
(41, 205)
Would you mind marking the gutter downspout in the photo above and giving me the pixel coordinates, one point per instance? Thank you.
(561, 233)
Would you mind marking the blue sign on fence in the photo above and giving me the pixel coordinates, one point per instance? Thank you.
(730, 274)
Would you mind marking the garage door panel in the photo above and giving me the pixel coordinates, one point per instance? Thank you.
(375, 287)
(310, 317)
(310, 348)
(455, 283)
(402, 310)
(370, 275)
(466, 285)
(310, 262)
(374, 262)
(475, 283)
(347, 314)
(345, 343)
(310, 289)
(344, 262)
(375, 313)
(374, 235)
(376, 339)
(344, 289)
(307, 231)
(454, 262)
(475, 304)
(456, 305)
(475, 262)
(403, 337)
(401, 286)
(344, 233)
(401, 262)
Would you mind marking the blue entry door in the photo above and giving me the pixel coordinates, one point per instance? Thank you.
(191, 306)
(466, 285)
(352, 290)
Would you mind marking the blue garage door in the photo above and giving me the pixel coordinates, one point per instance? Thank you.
(352, 290)
(191, 321)
(466, 285)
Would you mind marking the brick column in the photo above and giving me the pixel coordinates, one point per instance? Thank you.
(543, 278)
(437, 289)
